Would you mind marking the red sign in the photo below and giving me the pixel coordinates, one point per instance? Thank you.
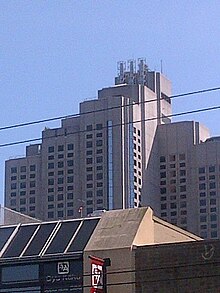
(97, 265)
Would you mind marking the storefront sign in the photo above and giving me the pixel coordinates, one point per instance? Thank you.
(97, 275)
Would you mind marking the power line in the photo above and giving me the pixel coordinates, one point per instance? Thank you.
(114, 125)
(102, 110)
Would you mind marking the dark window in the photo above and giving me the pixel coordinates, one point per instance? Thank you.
(51, 181)
(22, 177)
(60, 196)
(99, 142)
(50, 165)
(99, 192)
(60, 180)
(69, 155)
(172, 158)
(202, 186)
(183, 188)
(182, 172)
(69, 195)
(89, 153)
(13, 185)
(201, 170)
(60, 156)
(32, 168)
(70, 171)
(23, 185)
(88, 169)
(32, 175)
(212, 185)
(99, 159)
(89, 161)
(70, 163)
(32, 191)
(32, 184)
(98, 168)
(50, 149)
(89, 177)
(60, 148)
(13, 178)
(99, 126)
(51, 157)
(163, 175)
(182, 157)
(89, 194)
(21, 273)
(89, 144)
(89, 136)
(70, 147)
(89, 202)
(32, 200)
(70, 179)
(89, 127)
(163, 206)
(70, 187)
(99, 134)
(69, 213)
(99, 201)
(23, 201)
(50, 215)
(99, 176)
(13, 194)
(23, 169)
(211, 169)
(173, 205)
(60, 164)
(13, 170)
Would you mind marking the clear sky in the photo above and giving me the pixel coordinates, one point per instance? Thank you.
(54, 54)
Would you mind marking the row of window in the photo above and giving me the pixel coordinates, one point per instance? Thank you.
(173, 205)
(173, 158)
(60, 148)
(22, 193)
(23, 169)
(172, 173)
(60, 180)
(22, 201)
(23, 185)
(23, 177)
(59, 156)
(60, 197)
(60, 214)
(60, 164)
(211, 169)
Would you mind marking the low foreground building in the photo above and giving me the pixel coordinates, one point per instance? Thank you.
(128, 251)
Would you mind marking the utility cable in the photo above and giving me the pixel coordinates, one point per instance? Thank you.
(114, 125)
(102, 110)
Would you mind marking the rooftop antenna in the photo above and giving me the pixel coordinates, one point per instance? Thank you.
(161, 66)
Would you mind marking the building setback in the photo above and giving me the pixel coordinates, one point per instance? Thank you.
(182, 182)
(96, 160)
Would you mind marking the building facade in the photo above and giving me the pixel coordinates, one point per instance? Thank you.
(184, 187)
(96, 160)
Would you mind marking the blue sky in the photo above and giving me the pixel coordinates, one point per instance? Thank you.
(54, 54)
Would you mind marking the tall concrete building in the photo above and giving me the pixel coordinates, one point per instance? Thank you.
(96, 160)
(182, 181)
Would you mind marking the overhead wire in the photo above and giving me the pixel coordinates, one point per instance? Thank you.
(114, 125)
(105, 109)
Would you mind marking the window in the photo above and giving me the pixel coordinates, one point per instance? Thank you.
(163, 175)
(60, 148)
(162, 167)
(32, 168)
(212, 185)
(98, 168)
(202, 202)
(172, 158)
(173, 188)
(60, 156)
(23, 201)
(13, 170)
(13, 185)
(23, 169)
(89, 169)
(99, 176)
(203, 218)
(99, 184)
(70, 187)
(13, 178)
(32, 175)
(99, 151)
(89, 127)
(211, 169)
(99, 201)
(99, 126)
(32, 191)
(70, 179)
(89, 153)
(50, 215)
(60, 205)
(89, 136)
(50, 149)
(70, 146)
(202, 186)
(51, 157)
(51, 181)
(99, 159)
(162, 159)
(89, 185)
(23, 185)
(50, 190)
(173, 205)
(69, 155)
(89, 202)
(163, 190)
(182, 172)
(60, 180)
(32, 184)
(99, 192)
(70, 204)
(183, 188)
(32, 200)
(13, 194)
(182, 180)
(182, 165)
(89, 194)
(50, 165)
(70, 171)
(50, 198)
(22, 193)
(213, 201)
(183, 204)
(89, 144)
(99, 134)
(89, 161)
(69, 213)
(214, 234)
(89, 177)
(13, 202)
(163, 206)
(50, 173)
(212, 193)
(172, 173)
(69, 195)
(201, 170)
(213, 218)
(182, 157)
(60, 196)
(60, 164)
(99, 142)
